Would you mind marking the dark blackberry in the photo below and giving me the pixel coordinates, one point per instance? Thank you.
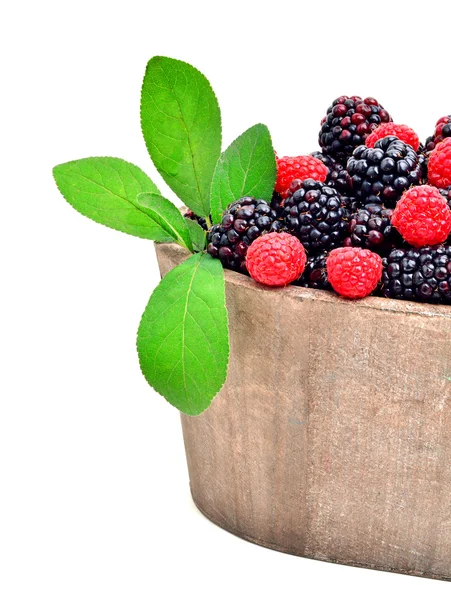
(243, 221)
(315, 273)
(347, 124)
(337, 176)
(350, 203)
(381, 174)
(428, 145)
(201, 220)
(423, 158)
(371, 228)
(316, 215)
(442, 131)
(423, 274)
(446, 193)
(277, 203)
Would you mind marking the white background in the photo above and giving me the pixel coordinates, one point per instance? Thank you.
(94, 499)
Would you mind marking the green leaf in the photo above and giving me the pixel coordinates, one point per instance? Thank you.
(167, 216)
(183, 340)
(104, 189)
(198, 235)
(181, 124)
(246, 168)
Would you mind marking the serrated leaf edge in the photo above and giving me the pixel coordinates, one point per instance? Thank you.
(194, 224)
(109, 191)
(202, 200)
(175, 234)
(227, 323)
(217, 216)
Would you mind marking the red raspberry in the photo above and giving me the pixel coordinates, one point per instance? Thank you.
(422, 216)
(354, 272)
(402, 132)
(276, 259)
(439, 165)
(298, 167)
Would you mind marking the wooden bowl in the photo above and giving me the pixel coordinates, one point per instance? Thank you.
(332, 436)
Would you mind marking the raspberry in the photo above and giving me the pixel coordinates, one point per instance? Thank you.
(439, 165)
(354, 272)
(298, 167)
(380, 175)
(347, 124)
(242, 222)
(442, 131)
(402, 132)
(423, 216)
(423, 274)
(276, 259)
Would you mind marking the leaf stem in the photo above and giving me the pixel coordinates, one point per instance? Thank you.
(208, 221)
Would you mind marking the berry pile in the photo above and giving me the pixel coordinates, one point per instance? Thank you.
(371, 228)
(422, 274)
(402, 132)
(442, 131)
(193, 217)
(348, 123)
(316, 215)
(369, 212)
(276, 259)
(337, 175)
(298, 168)
(243, 222)
(353, 272)
(423, 216)
(439, 165)
(315, 273)
(381, 174)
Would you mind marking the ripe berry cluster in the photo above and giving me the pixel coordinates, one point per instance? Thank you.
(368, 212)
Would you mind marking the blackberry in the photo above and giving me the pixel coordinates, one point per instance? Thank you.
(193, 217)
(277, 203)
(315, 273)
(428, 145)
(337, 176)
(347, 124)
(350, 203)
(316, 215)
(381, 174)
(371, 228)
(442, 131)
(446, 193)
(423, 159)
(423, 274)
(242, 222)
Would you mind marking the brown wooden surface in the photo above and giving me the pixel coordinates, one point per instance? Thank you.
(332, 436)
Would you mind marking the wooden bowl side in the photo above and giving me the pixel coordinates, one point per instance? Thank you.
(332, 436)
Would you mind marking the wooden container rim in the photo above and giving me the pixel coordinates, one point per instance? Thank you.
(299, 293)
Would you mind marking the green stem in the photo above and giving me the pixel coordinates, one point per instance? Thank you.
(208, 221)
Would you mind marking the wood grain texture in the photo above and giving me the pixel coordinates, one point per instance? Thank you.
(332, 436)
